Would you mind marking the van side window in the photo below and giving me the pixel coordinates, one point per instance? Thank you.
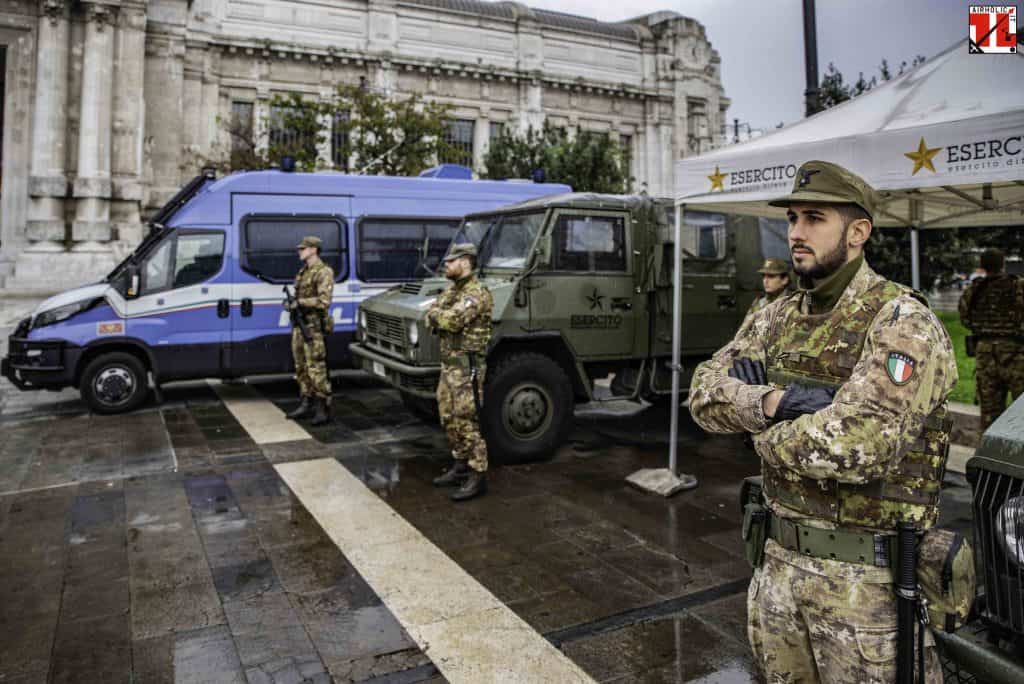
(390, 249)
(590, 243)
(183, 259)
(269, 244)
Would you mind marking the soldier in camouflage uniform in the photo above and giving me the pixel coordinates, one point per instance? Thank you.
(775, 278)
(314, 289)
(461, 316)
(992, 308)
(843, 386)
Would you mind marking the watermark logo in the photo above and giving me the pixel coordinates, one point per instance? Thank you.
(992, 29)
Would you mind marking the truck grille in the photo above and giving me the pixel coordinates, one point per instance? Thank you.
(410, 288)
(999, 532)
(386, 328)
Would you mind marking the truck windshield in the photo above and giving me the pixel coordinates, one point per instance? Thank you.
(503, 241)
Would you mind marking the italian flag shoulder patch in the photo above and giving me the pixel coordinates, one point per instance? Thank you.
(900, 368)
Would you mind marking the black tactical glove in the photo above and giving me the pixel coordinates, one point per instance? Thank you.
(749, 371)
(800, 399)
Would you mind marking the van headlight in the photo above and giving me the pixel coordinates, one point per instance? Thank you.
(1010, 529)
(414, 333)
(62, 313)
(362, 319)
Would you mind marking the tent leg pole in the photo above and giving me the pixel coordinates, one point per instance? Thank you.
(677, 311)
(915, 260)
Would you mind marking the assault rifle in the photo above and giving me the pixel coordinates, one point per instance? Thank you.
(298, 316)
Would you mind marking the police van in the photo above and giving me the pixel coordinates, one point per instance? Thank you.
(201, 295)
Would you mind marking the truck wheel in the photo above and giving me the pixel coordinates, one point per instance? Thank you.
(528, 408)
(114, 383)
(424, 409)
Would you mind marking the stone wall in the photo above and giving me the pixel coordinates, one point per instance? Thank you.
(112, 104)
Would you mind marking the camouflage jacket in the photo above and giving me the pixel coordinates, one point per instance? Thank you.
(758, 304)
(461, 316)
(314, 290)
(994, 306)
(872, 421)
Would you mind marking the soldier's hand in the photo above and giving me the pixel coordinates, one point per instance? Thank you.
(289, 305)
(751, 372)
(798, 400)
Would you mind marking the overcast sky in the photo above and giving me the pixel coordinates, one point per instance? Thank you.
(761, 42)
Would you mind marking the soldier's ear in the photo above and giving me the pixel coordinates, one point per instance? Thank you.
(858, 232)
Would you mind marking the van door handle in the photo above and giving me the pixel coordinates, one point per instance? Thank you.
(246, 307)
(223, 308)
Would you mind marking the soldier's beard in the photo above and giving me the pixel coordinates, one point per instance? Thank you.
(828, 264)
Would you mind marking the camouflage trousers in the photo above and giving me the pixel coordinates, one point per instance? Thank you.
(311, 365)
(815, 620)
(1000, 370)
(458, 415)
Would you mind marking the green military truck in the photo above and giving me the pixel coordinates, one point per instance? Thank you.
(991, 647)
(582, 287)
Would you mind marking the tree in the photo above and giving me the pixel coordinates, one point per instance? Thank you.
(588, 161)
(367, 131)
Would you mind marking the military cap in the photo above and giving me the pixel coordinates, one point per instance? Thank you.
(820, 181)
(461, 250)
(309, 241)
(774, 267)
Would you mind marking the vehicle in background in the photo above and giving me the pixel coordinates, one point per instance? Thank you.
(201, 295)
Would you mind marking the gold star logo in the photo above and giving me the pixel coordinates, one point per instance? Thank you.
(923, 157)
(717, 179)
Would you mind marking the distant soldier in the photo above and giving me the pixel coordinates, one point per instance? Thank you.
(992, 308)
(843, 385)
(775, 279)
(314, 289)
(461, 316)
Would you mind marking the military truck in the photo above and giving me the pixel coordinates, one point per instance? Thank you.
(990, 648)
(582, 287)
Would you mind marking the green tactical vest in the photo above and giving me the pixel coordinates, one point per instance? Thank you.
(821, 350)
(994, 307)
(476, 334)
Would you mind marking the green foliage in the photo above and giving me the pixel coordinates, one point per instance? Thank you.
(965, 386)
(588, 161)
(376, 134)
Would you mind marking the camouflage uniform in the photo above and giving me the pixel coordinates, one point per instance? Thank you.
(770, 267)
(314, 289)
(461, 315)
(993, 309)
(875, 455)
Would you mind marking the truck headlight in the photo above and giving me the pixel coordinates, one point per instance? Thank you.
(62, 313)
(414, 333)
(1010, 529)
(362, 319)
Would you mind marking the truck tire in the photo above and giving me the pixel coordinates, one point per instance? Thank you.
(424, 409)
(528, 408)
(114, 383)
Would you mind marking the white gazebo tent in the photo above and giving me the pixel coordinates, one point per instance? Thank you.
(942, 144)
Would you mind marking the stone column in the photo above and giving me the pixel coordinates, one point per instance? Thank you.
(192, 107)
(163, 87)
(45, 227)
(481, 138)
(128, 126)
(91, 230)
(211, 105)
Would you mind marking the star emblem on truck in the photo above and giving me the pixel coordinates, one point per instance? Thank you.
(595, 300)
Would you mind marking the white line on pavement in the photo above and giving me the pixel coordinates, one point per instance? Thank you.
(264, 422)
(463, 628)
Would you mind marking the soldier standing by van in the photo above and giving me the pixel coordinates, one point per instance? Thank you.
(461, 316)
(314, 289)
(992, 308)
(843, 385)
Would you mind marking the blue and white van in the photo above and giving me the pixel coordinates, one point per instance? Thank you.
(201, 295)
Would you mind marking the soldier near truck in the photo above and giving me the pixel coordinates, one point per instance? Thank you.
(843, 385)
(992, 308)
(314, 290)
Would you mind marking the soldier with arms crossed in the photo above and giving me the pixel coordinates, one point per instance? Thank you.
(843, 386)
(461, 316)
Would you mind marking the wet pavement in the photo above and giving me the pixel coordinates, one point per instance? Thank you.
(162, 546)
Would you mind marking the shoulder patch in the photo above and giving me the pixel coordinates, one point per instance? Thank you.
(900, 368)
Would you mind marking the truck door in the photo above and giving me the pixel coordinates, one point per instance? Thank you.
(181, 311)
(589, 286)
(268, 260)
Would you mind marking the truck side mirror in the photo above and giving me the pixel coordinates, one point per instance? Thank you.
(544, 251)
(132, 291)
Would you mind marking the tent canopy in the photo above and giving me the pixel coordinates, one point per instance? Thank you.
(943, 144)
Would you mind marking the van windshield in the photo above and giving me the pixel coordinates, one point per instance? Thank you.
(503, 241)
(154, 235)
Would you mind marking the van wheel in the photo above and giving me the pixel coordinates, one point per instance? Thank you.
(114, 383)
(424, 409)
(528, 408)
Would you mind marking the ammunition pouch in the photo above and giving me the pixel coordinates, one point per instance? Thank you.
(946, 576)
(755, 520)
(971, 345)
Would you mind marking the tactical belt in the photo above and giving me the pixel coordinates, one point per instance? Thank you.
(847, 546)
(460, 360)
